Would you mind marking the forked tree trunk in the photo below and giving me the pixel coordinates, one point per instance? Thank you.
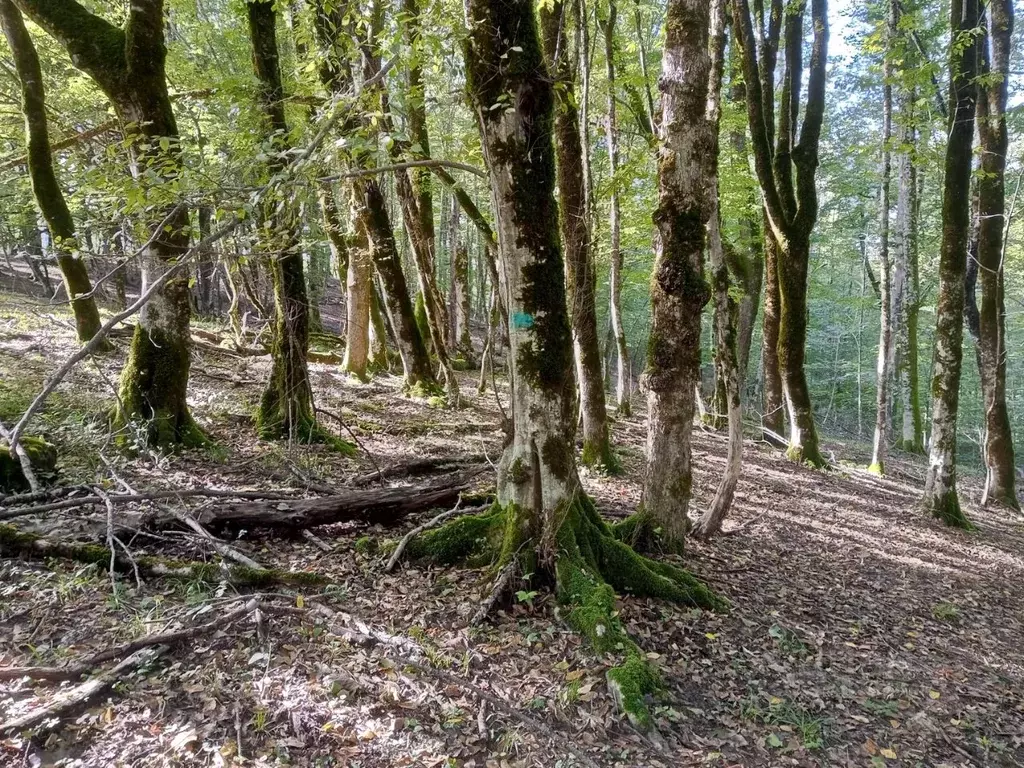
(622, 403)
(940, 494)
(286, 408)
(678, 289)
(1000, 483)
(128, 66)
(726, 309)
(580, 277)
(880, 444)
(786, 164)
(45, 186)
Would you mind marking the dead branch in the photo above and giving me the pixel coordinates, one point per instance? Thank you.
(416, 468)
(80, 694)
(170, 639)
(508, 574)
(17, 542)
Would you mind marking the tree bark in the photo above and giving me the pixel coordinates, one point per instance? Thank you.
(128, 66)
(580, 275)
(786, 165)
(678, 289)
(622, 401)
(1000, 483)
(940, 494)
(45, 186)
(286, 408)
(880, 443)
(727, 367)
(358, 290)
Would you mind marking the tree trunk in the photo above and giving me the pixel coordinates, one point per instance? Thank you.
(128, 66)
(358, 292)
(726, 362)
(880, 443)
(622, 403)
(419, 377)
(773, 418)
(905, 280)
(463, 342)
(580, 276)
(940, 494)
(1000, 482)
(286, 408)
(45, 186)
(678, 289)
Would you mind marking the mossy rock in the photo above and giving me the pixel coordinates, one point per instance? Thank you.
(41, 454)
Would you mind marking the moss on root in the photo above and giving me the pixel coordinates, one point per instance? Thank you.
(307, 431)
(598, 454)
(41, 455)
(591, 563)
(947, 509)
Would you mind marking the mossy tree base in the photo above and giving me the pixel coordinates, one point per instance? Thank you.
(41, 455)
(306, 431)
(591, 563)
(807, 454)
(877, 468)
(600, 456)
(946, 507)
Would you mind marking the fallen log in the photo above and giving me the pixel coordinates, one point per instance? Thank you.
(14, 541)
(384, 506)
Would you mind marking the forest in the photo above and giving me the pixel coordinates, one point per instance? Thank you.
(511, 383)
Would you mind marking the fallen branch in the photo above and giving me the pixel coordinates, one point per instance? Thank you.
(400, 549)
(416, 468)
(228, 553)
(80, 694)
(14, 541)
(132, 498)
(375, 506)
(502, 583)
(170, 639)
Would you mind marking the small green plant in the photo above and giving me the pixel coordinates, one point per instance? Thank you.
(788, 641)
(944, 611)
(788, 716)
(259, 720)
(881, 707)
(527, 597)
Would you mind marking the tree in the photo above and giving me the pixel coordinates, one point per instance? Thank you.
(45, 186)
(678, 290)
(543, 523)
(790, 199)
(614, 222)
(128, 65)
(286, 408)
(991, 115)
(880, 445)
(940, 495)
(726, 309)
(580, 274)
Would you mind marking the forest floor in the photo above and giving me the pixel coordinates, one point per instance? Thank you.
(860, 632)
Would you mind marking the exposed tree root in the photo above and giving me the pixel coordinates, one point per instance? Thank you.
(946, 507)
(591, 563)
(14, 541)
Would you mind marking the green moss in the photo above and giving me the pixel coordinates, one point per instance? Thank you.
(424, 389)
(558, 457)
(41, 455)
(630, 684)
(518, 471)
(600, 456)
(366, 545)
(947, 509)
(470, 538)
(876, 468)
(422, 322)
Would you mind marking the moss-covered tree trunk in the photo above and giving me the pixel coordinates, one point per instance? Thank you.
(725, 306)
(622, 368)
(45, 186)
(678, 289)
(940, 494)
(286, 408)
(580, 275)
(419, 376)
(128, 66)
(1000, 483)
